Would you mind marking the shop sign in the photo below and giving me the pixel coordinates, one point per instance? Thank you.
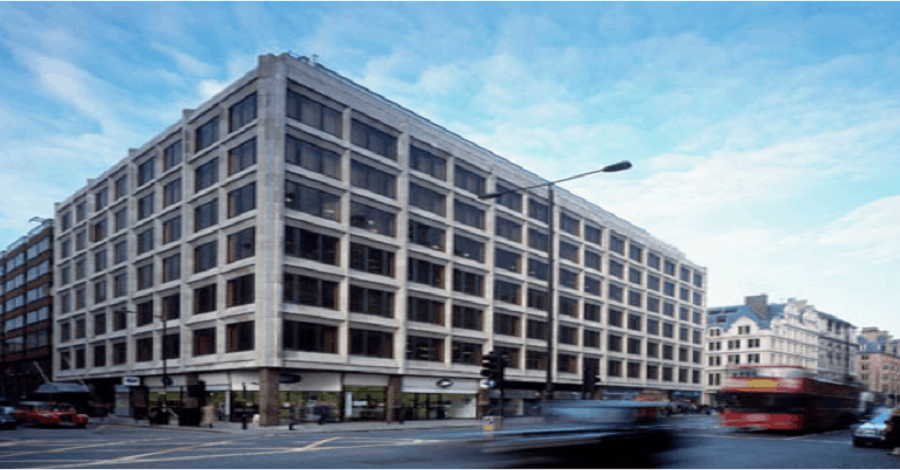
(444, 383)
(131, 381)
(290, 378)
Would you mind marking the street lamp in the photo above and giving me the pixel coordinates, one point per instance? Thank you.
(623, 165)
(166, 381)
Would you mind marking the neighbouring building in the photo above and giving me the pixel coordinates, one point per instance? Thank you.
(312, 243)
(878, 366)
(837, 349)
(759, 333)
(26, 312)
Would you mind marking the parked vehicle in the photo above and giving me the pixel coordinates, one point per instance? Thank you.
(7, 421)
(873, 431)
(47, 413)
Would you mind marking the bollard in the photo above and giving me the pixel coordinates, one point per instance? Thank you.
(244, 421)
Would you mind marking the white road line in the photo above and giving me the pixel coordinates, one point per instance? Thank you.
(132, 458)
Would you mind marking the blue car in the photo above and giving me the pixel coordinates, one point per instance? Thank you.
(872, 432)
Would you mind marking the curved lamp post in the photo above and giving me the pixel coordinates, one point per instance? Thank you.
(623, 165)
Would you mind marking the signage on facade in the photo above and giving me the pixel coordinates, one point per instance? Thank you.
(444, 383)
(290, 378)
(131, 381)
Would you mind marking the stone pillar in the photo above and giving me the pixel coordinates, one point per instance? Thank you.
(482, 403)
(269, 404)
(394, 396)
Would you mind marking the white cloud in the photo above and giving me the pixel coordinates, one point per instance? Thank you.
(869, 232)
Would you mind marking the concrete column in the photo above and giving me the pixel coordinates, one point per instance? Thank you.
(393, 398)
(269, 379)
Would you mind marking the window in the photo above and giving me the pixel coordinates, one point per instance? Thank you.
(242, 113)
(80, 240)
(311, 337)
(507, 260)
(652, 349)
(373, 140)
(568, 251)
(206, 215)
(669, 267)
(567, 363)
(144, 313)
(371, 343)
(634, 298)
(145, 206)
(205, 341)
(614, 292)
(171, 267)
(538, 269)
(538, 211)
(614, 317)
(172, 230)
(570, 225)
(468, 214)
(424, 272)
(100, 323)
(241, 245)
(468, 180)
(653, 260)
(507, 324)
(99, 230)
(205, 256)
(314, 113)
(466, 353)
(668, 330)
(171, 307)
(468, 248)
(428, 163)
(536, 329)
(99, 291)
(379, 182)
(120, 353)
(593, 234)
(683, 313)
(207, 134)
(538, 240)
(372, 220)
(591, 312)
(145, 241)
(636, 253)
(507, 292)
(242, 200)
(467, 318)
(121, 218)
(100, 355)
(121, 186)
(635, 275)
(120, 285)
(371, 260)
(613, 368)
(508, 229)
(66, 247)
(698, 280)
(301, 243)
(669, 309)
(310, 291)
(683, 294)
(425, 310)
(538, 299)
(144, 349)
(568, 335)
(634, 322)
(424, 349)
(591, 338)
(312, 201)
(469, 283)
(652, 304)
(172, 192)
(67, 220)
(653, 282)
(206, 175)
(239, 337)
(512, 199)
(698, 299)
(145, 277)
(205, 299)
(535, 360)
(682, 355)
(146, 171)
(568, 279)
(616, 269)
(426, 235)
(426, 199)
(668, 352)
(80, 211)
(617, 244)
(592, 260)
(312, 157)
(172, 155)
(120, 320)
(371, 301)
(99, 260)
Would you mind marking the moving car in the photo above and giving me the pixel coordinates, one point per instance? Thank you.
(50, 414)
(872, 432)
(6, 419)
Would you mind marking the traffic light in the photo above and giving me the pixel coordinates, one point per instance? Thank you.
(492, 367)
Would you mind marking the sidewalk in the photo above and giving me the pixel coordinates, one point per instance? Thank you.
(237, 428)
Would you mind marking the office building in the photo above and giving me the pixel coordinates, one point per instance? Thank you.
(879, 362)
(315, 244)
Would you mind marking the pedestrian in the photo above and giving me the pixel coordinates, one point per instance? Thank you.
(892, 430)
(208, 416)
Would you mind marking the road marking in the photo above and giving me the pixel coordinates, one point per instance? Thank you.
(65, 449)
(313, 445)
(133, 458)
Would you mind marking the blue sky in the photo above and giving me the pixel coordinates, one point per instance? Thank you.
(764, 136)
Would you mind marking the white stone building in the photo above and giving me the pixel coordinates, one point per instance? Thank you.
(300, 227)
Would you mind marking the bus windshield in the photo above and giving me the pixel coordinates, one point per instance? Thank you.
(754, 402)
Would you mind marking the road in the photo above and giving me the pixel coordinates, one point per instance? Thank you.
(703, 445)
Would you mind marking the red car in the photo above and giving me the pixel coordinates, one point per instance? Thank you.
(45, 413)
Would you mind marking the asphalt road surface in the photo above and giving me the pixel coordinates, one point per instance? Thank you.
(702, 444)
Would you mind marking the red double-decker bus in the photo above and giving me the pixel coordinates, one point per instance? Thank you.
(785, 398)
